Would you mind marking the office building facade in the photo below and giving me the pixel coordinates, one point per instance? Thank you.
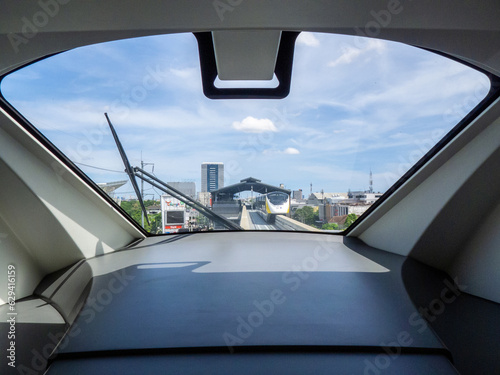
(297, 194)
(212, 176)
(186, 187)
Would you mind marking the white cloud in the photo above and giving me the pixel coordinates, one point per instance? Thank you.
(347, 56)
(287, 151)
(328, 117)
(308, 39)
(291, 151)
(350, 53)
(252, 125)
(184, 73)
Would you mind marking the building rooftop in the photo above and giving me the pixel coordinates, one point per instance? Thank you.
(327, 195)
(248, 184)
(337, 219)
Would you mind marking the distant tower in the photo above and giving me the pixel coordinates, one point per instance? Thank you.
(311, 187)
(371, 182)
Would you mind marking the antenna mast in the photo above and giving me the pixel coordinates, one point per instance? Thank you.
(371, 182)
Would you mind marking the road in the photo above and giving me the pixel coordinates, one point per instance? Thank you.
(259, 223)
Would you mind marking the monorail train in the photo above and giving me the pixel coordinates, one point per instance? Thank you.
(272, 204)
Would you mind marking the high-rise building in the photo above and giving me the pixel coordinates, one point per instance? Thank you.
(186, 187)
(212, 176)
(297, 194)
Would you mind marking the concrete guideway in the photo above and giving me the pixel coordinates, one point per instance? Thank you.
(286, 223)
(251, 220)
(245, 221)
(258, 223)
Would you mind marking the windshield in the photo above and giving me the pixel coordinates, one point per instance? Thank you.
(278, 198)
(361, 112)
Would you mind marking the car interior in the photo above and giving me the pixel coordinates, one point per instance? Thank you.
(412, 287)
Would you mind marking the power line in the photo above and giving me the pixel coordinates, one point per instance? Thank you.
(156, 191)
(103, 169)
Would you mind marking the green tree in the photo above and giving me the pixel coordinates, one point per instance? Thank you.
(155, 221)
(306, 215)
(351, 218)
(299, 215)
(133, 208)
(330, 226)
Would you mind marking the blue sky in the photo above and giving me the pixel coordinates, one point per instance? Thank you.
(355, 104)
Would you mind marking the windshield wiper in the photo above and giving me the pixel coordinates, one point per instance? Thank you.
(128, 168)
(133, 172)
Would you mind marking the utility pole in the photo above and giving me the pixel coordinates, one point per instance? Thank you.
(323, 200)
(251, 196)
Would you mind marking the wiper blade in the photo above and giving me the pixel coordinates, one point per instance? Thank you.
(134, 172)
(128, 169)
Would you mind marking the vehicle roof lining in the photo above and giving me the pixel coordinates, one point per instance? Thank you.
(75, 24)
(446, 41)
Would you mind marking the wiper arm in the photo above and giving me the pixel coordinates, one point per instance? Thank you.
(156, 182)
(133, 172)
(128, 169)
